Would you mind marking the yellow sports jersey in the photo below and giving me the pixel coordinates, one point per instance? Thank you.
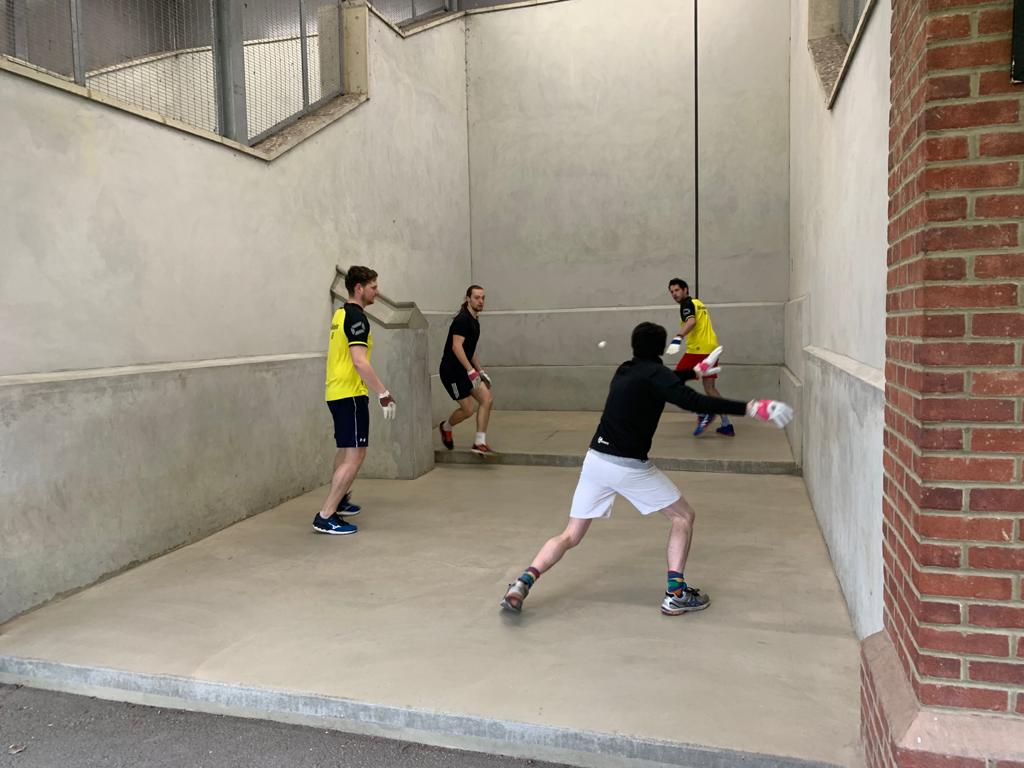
(702, 339)
(349, 327)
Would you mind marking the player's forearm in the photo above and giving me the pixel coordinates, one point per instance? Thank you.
(476, 363)
(687, 327)
(369, 376)
(689, 400)
(460, 355)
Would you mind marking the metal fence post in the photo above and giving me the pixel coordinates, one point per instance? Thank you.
(20, 22)
(229, 69)
(77, 51)
(304, 53)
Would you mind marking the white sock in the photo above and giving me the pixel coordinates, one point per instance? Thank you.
(725, 420)
(481, 438)
(446, 426)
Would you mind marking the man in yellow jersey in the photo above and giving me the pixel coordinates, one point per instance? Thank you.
(349, 379)
(701, 341)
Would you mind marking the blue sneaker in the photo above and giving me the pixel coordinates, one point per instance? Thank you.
(346, 507)
(333, 525)
(703, 420)
(725, 429)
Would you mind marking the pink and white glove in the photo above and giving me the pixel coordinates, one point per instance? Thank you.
(485, 378)
(474, 378)
(778, 413)
(707, 366)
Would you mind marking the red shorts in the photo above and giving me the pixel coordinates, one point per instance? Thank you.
(689, 360)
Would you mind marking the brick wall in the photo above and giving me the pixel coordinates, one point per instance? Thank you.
(953, 495)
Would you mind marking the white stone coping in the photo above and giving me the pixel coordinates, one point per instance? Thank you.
(19, 379)
(858, 370)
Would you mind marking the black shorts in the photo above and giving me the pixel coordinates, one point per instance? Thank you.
(456, 384)
(351, 421)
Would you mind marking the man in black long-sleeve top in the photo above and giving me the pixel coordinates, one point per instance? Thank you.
(617, 463)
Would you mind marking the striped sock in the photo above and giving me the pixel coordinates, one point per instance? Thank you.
(530, 575)
(676, 583)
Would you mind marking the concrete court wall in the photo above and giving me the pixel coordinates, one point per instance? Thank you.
(835, 320)
(124, 243)
(582, 184)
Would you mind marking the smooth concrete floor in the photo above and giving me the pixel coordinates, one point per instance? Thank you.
(570, 432)
(406, 612)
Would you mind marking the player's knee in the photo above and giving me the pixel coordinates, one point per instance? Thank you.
(682, 513)
(572, 538)
(466, 407)
(486, 398)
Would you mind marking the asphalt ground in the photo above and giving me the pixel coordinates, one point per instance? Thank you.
(43, 729)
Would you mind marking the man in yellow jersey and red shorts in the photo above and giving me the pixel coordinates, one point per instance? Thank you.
(701, 341)
(349, 380)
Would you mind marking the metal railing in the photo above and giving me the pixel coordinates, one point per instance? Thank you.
(243, 70)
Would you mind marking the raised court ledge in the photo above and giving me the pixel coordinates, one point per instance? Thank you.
(16, 379)
(479, 734)
(664, 463)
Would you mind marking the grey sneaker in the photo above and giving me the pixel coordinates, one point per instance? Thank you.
(691, 600)
(513, 600)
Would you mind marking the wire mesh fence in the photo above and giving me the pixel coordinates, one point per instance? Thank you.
(400, 12)
(850, 12)
(154, 55)
(239, 69)
(38, 32)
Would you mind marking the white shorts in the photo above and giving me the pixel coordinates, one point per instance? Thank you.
(645, 487)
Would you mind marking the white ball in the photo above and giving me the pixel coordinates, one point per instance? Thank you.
(602, 344)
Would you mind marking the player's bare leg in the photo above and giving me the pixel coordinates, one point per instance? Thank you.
(679, 596)
(552, 551)
(346, 466)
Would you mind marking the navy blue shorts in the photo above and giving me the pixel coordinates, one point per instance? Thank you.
(351, 421)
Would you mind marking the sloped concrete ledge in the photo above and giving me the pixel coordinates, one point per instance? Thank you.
(583, 748)
(666, 464)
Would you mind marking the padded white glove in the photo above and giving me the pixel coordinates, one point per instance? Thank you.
(674, 346)
(778, 413)
(388, 404)
(474, 378)
(485, 378)
(707, 366)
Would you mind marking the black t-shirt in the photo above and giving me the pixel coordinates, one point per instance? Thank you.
(467, 326)
(636, 398)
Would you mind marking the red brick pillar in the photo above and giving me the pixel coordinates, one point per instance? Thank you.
(944, 683)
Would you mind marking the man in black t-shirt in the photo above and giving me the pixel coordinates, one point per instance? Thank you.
(462, 376)
(617, 463)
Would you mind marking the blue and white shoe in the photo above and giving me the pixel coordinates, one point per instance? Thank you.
(333, 525)
(690, 600)
(346, 507)
(703, 420)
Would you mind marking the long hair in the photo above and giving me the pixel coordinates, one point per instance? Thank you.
(469, 292)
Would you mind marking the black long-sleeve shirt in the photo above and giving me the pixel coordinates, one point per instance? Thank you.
(636, 398)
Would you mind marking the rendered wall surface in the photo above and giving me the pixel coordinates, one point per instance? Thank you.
(583, 178)
(129, 246)
(123, 242)
(835, 320)
(843, 415)
(105, 469)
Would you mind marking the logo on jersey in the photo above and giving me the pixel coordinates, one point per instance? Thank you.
(357, 328)
(602, 441)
